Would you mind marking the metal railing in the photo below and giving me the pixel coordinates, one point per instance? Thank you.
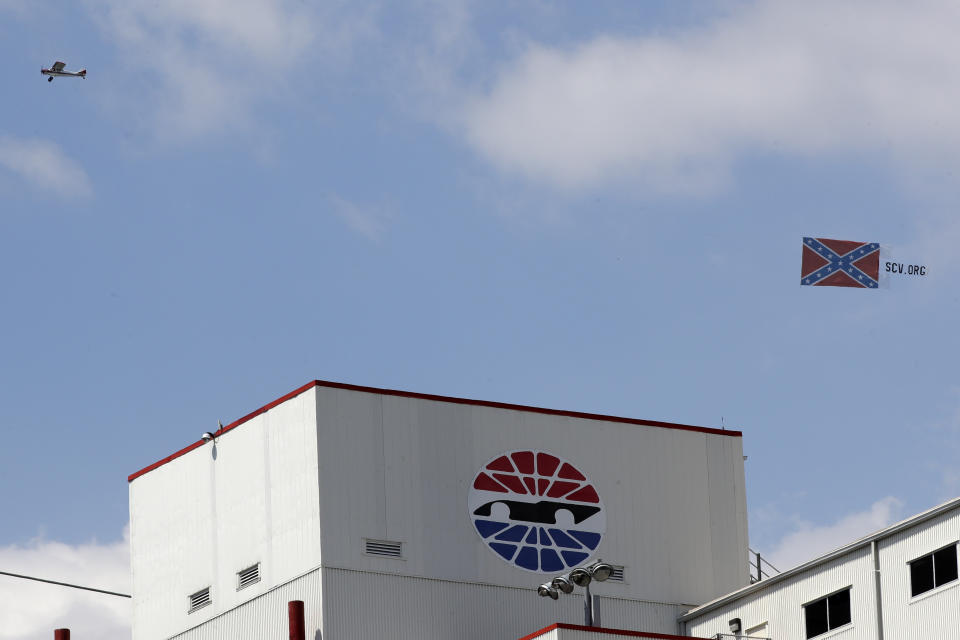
(757, 564)
(722, 636)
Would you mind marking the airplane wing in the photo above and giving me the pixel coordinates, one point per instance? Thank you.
(58, 66)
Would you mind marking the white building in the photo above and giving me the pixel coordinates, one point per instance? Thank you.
(897, 584)
(403, 515)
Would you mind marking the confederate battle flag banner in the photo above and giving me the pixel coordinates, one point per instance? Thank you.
(840, 263)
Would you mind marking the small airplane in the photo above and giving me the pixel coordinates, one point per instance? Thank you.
(57, 69)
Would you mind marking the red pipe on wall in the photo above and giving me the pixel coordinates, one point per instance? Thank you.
(295, 611)
(61, 634)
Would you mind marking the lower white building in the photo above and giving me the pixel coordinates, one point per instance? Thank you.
(563, 631)
(900, 583)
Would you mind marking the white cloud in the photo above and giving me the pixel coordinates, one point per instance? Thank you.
(32, 610)
(204, 66)
(43, 164)
(675, 112)
(808, 540)
(368, 221)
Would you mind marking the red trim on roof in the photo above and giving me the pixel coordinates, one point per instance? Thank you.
(428, 396)
(228, 427)
(605, 630)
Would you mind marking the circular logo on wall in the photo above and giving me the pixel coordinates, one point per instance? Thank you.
(536, 511)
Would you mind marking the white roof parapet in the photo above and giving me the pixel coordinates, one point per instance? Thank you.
(836, 553)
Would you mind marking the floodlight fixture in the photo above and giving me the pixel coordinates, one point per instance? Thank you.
(600, 570)
(207, 436)
(580, 577)
(735, 625)
(546, 590)
(562, 583)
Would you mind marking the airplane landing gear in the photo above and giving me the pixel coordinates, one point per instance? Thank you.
(50, 79)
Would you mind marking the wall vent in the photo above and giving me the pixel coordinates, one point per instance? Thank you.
(383, 548)
(248, 576)
(617, 575)
(199, 600)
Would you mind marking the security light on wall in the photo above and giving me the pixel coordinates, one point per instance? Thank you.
(735, 625)
(208, 437)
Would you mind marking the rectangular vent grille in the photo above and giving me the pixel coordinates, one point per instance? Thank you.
(383, 548)
(248, 576)
(617, 575)
(199, 600)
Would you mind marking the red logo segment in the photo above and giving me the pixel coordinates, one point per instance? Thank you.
(514, 474)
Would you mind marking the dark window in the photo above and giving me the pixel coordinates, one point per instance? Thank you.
(838, 605)
(827, 613)
(933, 570)
(945, 565)
(921, 575)
(817, 618)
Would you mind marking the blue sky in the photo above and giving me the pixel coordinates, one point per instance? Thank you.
(596, 209)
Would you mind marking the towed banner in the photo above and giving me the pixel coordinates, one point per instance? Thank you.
(846, 263)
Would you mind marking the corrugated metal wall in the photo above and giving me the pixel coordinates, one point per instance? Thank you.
(250, 497)
(936, 612)
(781, 604)
(618, 613)
(266, 618)
(396, 468)
(363, 605)
(933, 614)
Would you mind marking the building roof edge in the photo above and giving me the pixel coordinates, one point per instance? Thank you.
(436, 398)
(886, 532)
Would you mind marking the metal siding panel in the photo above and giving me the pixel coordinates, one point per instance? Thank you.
(651, 617)
(294, 543)
(669, 549)
(936, 612)
(197, 520)
(239, 475)
(351, 468)
(780, 605)
(171, 540)
(404, 504)
(431, 451)
(439, 547)
(735, 451)
(362, 605)
(368, 605)
(266, 616)
(729, 569)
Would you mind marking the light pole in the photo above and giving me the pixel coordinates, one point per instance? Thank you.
(581, 577)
